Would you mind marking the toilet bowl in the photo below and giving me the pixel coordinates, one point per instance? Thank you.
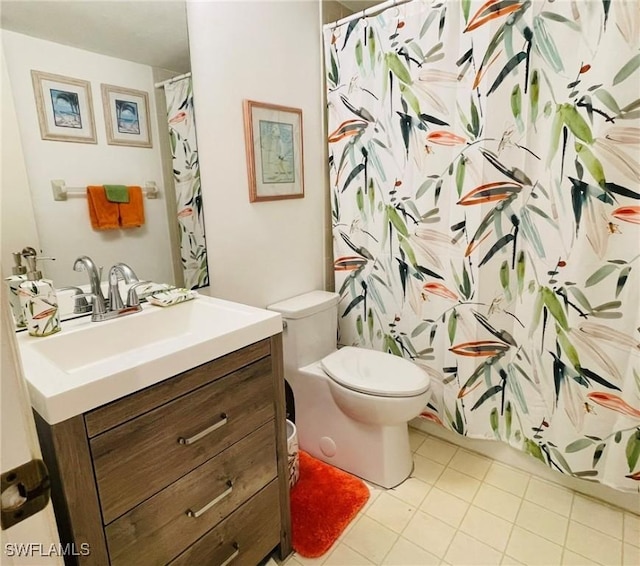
(352, 405)
(376, 388)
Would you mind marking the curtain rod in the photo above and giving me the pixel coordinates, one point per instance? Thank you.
(172, 80)
(366, 12)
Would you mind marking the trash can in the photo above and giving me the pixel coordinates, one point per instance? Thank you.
(292, 451)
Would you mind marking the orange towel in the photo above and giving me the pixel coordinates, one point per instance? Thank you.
(103, 214)
(132, 212)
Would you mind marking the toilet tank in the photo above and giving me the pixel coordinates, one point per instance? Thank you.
(311, 327)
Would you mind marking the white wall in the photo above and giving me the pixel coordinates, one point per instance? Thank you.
(18, 223)
(64, 227)
(270, 52)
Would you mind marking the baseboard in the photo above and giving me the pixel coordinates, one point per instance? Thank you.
(510, 456)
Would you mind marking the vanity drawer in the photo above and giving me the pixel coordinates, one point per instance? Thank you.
(159, 529)
(144, 455)
(247, 535)
(113, 414)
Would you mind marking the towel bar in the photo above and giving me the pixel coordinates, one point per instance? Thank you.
(60, 190)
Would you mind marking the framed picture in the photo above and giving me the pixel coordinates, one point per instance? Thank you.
(65, 110)
(126, 115)
(273, 138)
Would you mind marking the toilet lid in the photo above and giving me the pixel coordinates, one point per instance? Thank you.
(375, 373)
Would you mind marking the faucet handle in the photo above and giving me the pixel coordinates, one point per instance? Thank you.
(115, 300)
(125, 272)
(97, 307)
(80, 304)
(132, 296)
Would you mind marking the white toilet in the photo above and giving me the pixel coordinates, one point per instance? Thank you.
(352, 405)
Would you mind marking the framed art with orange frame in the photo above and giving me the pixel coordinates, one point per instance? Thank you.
(273, 139)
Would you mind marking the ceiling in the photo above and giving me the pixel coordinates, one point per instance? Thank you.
(359, 5)
(152, 32)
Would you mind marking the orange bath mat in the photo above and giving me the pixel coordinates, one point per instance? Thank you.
(323, 503)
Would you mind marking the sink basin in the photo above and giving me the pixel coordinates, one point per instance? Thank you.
(89, 364)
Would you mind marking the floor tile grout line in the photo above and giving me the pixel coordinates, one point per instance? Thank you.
(446, 464)
(457, 530)
(425, 549)
(390, 549)
(602, 502)
(596, 529)
(458, 527)
(463, 473)
(468, 503)
(472, 451)
(475, 455)
(482, 541)
(350, 526)
(397, 535)
(636, 541)
(621, 540)
(415, 510)
(407, 502)
(513, 524)
(590, 559)
(563, 544)
(484, 481)
(521, 497)
(350, 548)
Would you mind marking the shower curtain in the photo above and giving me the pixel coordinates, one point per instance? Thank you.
(485, 178)
(186, 174)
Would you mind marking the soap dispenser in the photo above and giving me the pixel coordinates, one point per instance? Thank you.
(39, 301)
(18, 275)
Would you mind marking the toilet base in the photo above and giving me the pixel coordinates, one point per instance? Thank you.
(375, 453)
(382, 457)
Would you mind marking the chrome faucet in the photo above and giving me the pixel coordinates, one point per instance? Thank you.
(112, 307)
(85, 263)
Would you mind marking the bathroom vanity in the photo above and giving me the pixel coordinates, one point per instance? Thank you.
(191, 469)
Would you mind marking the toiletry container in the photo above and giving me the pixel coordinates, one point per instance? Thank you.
(39, 301)
(18, 275)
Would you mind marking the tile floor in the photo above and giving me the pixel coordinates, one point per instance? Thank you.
(462, 509)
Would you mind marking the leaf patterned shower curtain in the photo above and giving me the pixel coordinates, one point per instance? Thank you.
(485, 178)
(186, 175)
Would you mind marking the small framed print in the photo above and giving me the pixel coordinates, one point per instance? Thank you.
(64, 106)
(126, 115)
(273, 140)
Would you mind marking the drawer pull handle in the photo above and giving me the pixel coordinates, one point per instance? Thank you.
(233, 556)
(226, 493)
(203, 433)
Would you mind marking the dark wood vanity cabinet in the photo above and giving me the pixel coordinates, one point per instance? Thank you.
(192, 470)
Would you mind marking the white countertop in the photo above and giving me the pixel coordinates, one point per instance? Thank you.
(89, 364)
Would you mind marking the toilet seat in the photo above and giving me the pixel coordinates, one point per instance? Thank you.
(375, 373)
